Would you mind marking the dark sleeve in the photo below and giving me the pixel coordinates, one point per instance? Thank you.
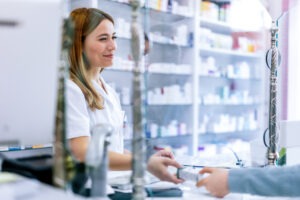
(272, 181)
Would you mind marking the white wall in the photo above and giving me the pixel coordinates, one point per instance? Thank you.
(294, 62)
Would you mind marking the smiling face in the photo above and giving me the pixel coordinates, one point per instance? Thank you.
(99, 46)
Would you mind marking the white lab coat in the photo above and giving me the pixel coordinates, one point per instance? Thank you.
(81, 119)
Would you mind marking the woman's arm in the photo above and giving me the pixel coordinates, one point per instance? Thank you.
(79, 146)
(117, 161)
(157, 164)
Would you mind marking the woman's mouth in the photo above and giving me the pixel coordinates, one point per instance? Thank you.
(109, 56)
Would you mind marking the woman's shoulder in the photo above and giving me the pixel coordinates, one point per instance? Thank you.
(72, 86)
(73, 89)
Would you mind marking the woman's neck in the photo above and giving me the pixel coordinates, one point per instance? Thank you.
(94, 75)
(94, 72)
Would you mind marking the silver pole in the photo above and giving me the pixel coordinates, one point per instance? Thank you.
(64, 164)
(138, 146)
(272, 153)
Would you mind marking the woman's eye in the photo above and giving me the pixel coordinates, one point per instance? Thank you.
(114, 37)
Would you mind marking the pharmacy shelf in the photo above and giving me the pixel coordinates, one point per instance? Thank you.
(216, 25)
(173, 141)
(161, 106)
(168, 16)
(169, 105)
(148, 73)
(116, 2)
(224, 52)
(219, 26)
(152, 12)
(204, 138)
(210, 137)
(169, 42)
(221, 1)
(174, 137)
(216, 78)
(237, 105)
(168, 73)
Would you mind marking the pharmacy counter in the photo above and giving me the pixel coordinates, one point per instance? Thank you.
(13, 187)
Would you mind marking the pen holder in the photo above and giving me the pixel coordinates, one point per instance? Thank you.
(97, 160)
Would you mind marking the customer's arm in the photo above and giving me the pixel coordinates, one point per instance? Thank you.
(273, 181)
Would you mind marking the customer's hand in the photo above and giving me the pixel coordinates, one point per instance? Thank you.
(158, 166)
(216, 183)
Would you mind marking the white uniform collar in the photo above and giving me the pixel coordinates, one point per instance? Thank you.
(100, 89)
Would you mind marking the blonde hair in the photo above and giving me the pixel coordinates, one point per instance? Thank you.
(85, 20)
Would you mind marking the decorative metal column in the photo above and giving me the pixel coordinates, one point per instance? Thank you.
(138, 146)
(64, 165)
(273, 57)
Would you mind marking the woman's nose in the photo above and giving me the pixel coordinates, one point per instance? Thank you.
(112, 45)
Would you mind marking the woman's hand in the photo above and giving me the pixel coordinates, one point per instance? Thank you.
(164, 153)
(158, 165)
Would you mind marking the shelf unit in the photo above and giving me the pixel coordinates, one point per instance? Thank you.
(176, 68)
(170, 82)
(231, 80)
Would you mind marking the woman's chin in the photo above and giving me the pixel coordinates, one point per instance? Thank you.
(107, 65)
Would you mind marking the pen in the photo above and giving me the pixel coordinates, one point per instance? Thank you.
(39, 146)
(18, 148)
(15, 148)
(11, 148)
(202, 166)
